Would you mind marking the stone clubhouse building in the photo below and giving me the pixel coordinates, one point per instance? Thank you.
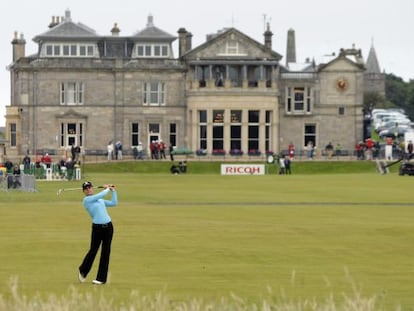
(228, 94)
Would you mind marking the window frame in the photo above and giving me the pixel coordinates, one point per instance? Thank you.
(298, 99)
(154, 93)
(71, 90)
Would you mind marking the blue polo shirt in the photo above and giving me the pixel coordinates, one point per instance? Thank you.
(96, 206)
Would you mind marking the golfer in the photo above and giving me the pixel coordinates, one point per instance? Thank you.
(102, 230)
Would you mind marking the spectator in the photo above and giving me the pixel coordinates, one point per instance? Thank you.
(338, 149)
(388, 148)
(175, 169)
(171, 152)
(110, 150)
(369, 144)
(183, 166)
(410, 148)
(140, 151)
(152, 149)
(329, 150)
(118, 147)
(282, 166)
(360, 150)
(69, 168)
(9, 166)
(13, 180)
(310, 148)
(162, 149)
(288, 165)
(291, 150)
(77, 153)
(26, 164)
(47, 160)
(73, 151)
(135, 153)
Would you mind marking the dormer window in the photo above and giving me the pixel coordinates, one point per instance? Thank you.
(68, 50)
(152, 50)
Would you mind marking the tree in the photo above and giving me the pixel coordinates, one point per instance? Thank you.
(374, 100)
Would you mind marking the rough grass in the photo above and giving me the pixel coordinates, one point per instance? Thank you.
(210, 242)
(74, 300)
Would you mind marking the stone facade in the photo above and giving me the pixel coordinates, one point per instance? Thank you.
(229, 93)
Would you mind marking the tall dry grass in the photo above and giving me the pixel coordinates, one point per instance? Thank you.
(76, 301)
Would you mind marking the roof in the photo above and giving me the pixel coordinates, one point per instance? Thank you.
(151, 32)
(229, 31)
(351, 56)
(300, 67)
(372, 64)
(67, 29)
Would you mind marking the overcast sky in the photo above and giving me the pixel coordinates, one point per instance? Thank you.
(321, 26)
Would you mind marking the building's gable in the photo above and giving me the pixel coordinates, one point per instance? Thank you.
(341, 63)
(231, 44)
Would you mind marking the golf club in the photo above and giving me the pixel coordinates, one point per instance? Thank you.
(60, 191)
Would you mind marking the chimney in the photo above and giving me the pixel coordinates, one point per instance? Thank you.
(19, 46)
(268, 37)
(291, 47)
(150, 21)
(115, 30)
(68, 18)
(183, 36)
(189, 41)
(53, 23)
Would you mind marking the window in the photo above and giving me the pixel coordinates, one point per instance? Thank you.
(218, 136)
(65, 50)
(173, 134)
(154, 93)
(152, 50)
(154, 128)
(235, 129)
(134, 134)
(71, 93)
(56, 50)
(218, 116)
(202, 74)
(220, 75)
(218, 129)
(268, 128)
(254, 116)
(202, 120)
(341, 111)
(310, 134)
(253, 130)
(235, 76)
(298, 100)
(232, 47)
(13, 134)
(71, 133)
(73, 50)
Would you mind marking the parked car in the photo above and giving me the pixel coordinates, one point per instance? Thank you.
(400, 131)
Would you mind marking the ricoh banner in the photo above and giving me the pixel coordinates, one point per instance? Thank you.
(242, 169)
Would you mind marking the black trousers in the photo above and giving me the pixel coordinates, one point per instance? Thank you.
(101, 236)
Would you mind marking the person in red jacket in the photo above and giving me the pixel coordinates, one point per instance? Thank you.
(291, 150)
(47, 160)
(369, 144)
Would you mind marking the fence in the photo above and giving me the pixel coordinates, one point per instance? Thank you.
(23, 182)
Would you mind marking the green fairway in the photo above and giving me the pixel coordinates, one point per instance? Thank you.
(208, 236)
